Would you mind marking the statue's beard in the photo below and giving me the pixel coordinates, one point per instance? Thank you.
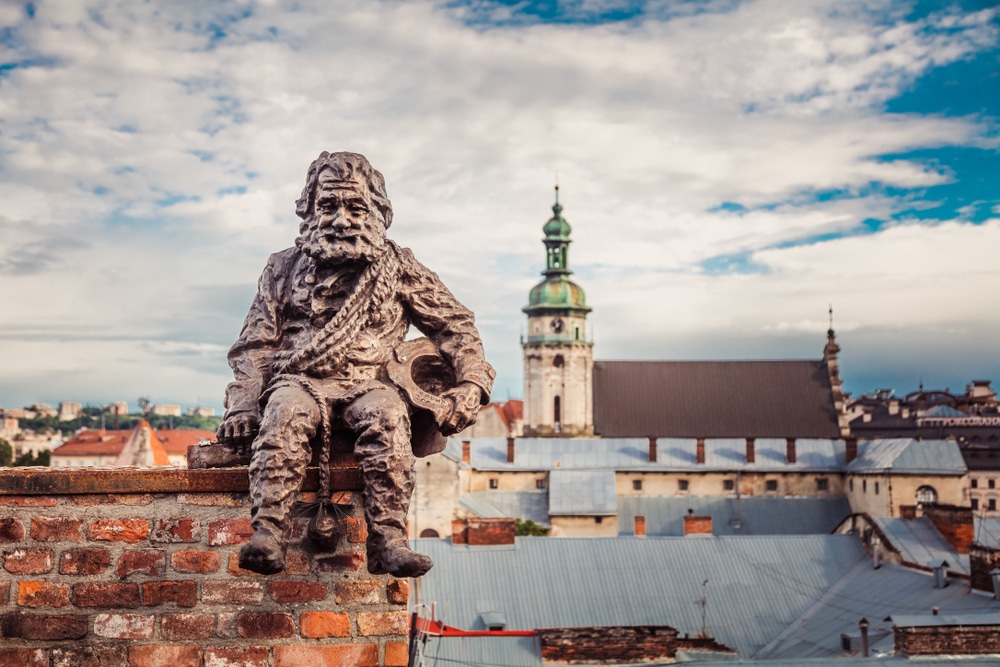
(328, 246)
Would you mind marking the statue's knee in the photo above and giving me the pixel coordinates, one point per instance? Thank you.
(291, 406)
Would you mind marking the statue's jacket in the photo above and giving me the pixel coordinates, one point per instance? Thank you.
(296, 306)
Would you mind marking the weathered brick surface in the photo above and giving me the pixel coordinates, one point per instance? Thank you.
(983, 560)
(11, 530)
(91, 499)
(28, 501)
(43, 627)
(124, 626)
(183, 593)
(151, 562)
(28, 561)
(398, 591)
(235, 656)
(357, 592)
(349, 561)
(697, 525)
(374, 623)
(177, 529)
(609, 645)
(84, 561)
(954, 523)
(90, 656)
(357, 529)
(119, 530)
(222, 532)
(4, 592)
(947, 640)
(258, 625)
(42, 594)
(397, 654)
(347, 655)
(213, 499)
(232, 592)
(24, 657)
(323, 624)
(296, 562)
(56, 529)
(187, 626)
(159, 655)
(195, 560)
(106, 595)
(287, 592)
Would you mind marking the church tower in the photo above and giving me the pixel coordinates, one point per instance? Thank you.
(558, 356)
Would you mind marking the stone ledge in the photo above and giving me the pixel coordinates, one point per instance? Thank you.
(344, 476)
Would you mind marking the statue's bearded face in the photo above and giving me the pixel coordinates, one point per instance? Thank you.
(344, 225)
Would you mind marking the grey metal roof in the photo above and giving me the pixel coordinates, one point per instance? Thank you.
(532, 505)
(930, 620)
(749, 515)
(582, 493)
(714, 399)
(910, 456)
(632, 454)
(920, 542)
(987, 531)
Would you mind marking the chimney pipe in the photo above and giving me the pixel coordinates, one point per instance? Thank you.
(876, 543)
(510, 450)
(851, 451)
(700, 451)
(697, 525)
(790, 449)
(652, 449)
(751, 454)
(467, 451)
(995, 576)
(940, 574)
(640, 526)
(863, 624)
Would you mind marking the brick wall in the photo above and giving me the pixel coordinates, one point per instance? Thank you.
(139, 568)
(954, 523)
(481, 532)
(608, 645)
(948, 640)
(982, 561)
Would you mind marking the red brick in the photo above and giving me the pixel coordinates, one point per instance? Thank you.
(399, 591)
(177, 529)
(24, 657)
(90, 499)
(285, 592)
(226, 627)
(187, 626)
(357, 529)
(119, 530)
(40, 626)
(42, 594)
(229, 531)
(296, 562)
(56, 528)
(183, 593)
(28, 501)
(124, 626)
(344, 655)
(232, 592)
(397, 654)
(323, 624)
(87, 561)
(145, 561)
(193, 560)
(11, 530)
(232, 656)
(28, 561)
(4, 592)
(348, 560)
(236, 571)
(90, 656)
(358, 592)
(106, 595)
(160, 655)
(265, 626)
(383, 623)
(342, 497)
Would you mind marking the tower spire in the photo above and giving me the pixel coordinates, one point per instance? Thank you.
(830, 332)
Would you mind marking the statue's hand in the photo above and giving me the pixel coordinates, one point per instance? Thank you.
(238, 430)
(466, 401)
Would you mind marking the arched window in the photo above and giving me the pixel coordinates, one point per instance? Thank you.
(926, 494)
(558, 362)
(429, 532)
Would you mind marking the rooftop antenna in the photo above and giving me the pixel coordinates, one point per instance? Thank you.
(703, 601)
(830, 330)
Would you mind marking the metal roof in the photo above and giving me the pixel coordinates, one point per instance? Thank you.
(582, 493)
(749, 515)
(909, 456)
(919, 542)
(714, 399)
(987, 532)
(930, 620)
(532, 505)
(632, 454)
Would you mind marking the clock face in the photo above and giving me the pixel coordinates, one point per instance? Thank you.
(557, 325)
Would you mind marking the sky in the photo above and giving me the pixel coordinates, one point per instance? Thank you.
(730, 170)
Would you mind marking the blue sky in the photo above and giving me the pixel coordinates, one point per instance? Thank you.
(729, 168)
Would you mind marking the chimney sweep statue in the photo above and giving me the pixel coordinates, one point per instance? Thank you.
(322, 349)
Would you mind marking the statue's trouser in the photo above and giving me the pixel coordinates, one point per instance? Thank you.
(380, 421)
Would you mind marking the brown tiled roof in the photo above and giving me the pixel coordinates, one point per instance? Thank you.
(713, 399)
(110, 442)
(176, 441)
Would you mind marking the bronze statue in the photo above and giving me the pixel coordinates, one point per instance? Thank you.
(315, 354)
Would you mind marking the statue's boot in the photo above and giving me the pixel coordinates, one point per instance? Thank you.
(387, 499)
(264, 553)
(392, 555)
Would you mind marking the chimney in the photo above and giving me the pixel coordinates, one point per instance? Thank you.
(652, 450)
(940, 574)
(459, 532)
(640, 526)
(956, 525)
(863, 624)
(751, 455)
(894, 406)
(697, 525)
(467, 452)
(790, 449)
(866, 418)
(995, 577)
(510, 450)
(851, 451)
(700, 451)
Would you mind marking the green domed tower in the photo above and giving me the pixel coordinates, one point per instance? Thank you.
(558, 356)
